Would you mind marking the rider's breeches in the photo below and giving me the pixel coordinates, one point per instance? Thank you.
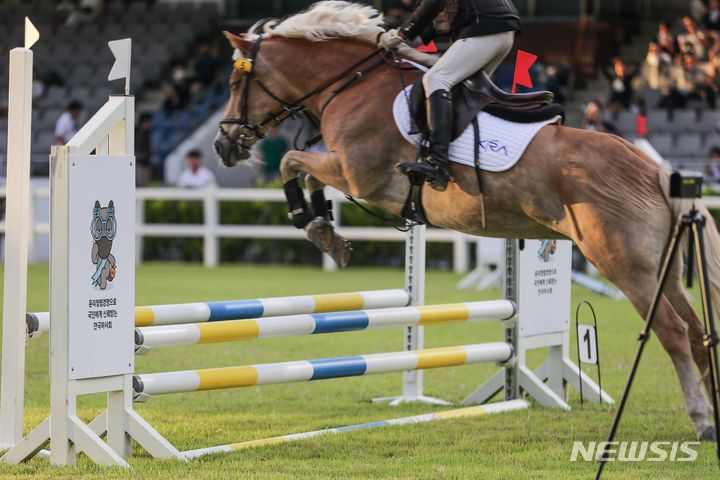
(466, 57)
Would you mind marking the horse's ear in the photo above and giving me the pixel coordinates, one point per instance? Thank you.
(238, 42)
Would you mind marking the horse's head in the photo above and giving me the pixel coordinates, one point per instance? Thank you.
(252, 110)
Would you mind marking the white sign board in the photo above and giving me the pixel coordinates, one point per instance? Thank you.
(101, 262)
(587, 344)
(544, 280)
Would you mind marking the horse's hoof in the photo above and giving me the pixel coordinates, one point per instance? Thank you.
(340, 251)
(707, 435)
(320, 233)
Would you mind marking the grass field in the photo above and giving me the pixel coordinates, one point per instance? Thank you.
(534, 443)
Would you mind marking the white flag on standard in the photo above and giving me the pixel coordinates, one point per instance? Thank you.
(121, 49)
(31, 33)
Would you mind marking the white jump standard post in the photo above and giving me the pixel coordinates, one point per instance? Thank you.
(540, 287)
(92, 307)
(414, 339)
(17, 239)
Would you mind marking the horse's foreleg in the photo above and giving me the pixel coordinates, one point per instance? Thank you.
(320, 230)
(320, 169)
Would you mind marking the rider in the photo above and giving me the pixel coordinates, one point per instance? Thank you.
(483, 32)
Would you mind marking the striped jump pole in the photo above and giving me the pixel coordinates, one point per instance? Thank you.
(146, 385)
(481, 410)
(147, 338)
(182, 313)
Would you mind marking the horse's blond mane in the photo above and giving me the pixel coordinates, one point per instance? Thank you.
(324, 21)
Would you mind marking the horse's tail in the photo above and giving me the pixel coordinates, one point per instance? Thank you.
(712, 253)
(712, 245)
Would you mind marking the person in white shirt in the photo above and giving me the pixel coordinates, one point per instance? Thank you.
(196, 175)
(67, 125)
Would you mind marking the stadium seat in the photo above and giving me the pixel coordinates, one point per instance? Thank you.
(682, 121)
(662, 142)
(626, 124)
(652, 97)
(688, 145)
(709, 122)
(657, 121)
(43, 142)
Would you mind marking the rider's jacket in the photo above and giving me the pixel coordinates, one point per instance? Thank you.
(467, 18)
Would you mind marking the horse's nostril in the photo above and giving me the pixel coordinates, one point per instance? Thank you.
(217, 146)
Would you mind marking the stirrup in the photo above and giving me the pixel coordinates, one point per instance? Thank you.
(435, 174)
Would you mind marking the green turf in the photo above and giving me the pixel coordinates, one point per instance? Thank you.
(535, 443)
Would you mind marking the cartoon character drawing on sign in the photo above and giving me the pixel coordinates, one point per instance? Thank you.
(103, 230)
(547, 249)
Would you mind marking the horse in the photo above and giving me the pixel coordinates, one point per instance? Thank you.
(595, 189)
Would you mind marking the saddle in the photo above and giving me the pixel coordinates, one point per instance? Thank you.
(477, 94)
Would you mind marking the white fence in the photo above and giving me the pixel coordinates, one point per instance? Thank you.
(211, 230)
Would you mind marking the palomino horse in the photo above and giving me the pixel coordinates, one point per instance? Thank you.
(593, 188)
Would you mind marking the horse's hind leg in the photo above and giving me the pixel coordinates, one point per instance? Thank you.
(630, 258)
(677, 296)
(321, 169)
(634, 271)
(674, 336)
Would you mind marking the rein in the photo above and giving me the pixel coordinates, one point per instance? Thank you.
(250, 131)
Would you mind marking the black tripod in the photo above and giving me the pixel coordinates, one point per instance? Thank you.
(694, 223)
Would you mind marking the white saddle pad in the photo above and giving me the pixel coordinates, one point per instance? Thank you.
(502, 143)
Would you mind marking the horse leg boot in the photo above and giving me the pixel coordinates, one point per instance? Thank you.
(320, 230)
(435, 167)
(315, 221)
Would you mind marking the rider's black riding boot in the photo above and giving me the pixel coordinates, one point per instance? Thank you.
(435, 166)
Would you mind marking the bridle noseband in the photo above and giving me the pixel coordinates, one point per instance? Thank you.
(251, 132)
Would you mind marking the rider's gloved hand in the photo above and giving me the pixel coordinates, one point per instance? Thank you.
(390, 39)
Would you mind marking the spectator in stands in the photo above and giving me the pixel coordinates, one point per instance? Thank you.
(38, 86)
(593, 119)
(555, 79)
(67, 125)
(75, 12)
(693, 40)
(206, 65)
(272, 150)
(64, 9)
(396, 14)
(689, 81)
(713, 65)
(196, 175)
(621, 77)
(693, 81)
(178, 90)
(657, 62)
(638, 108)
(143, 150)
(712, 17)
(665, 39)
(698, 9)
(712, 168)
